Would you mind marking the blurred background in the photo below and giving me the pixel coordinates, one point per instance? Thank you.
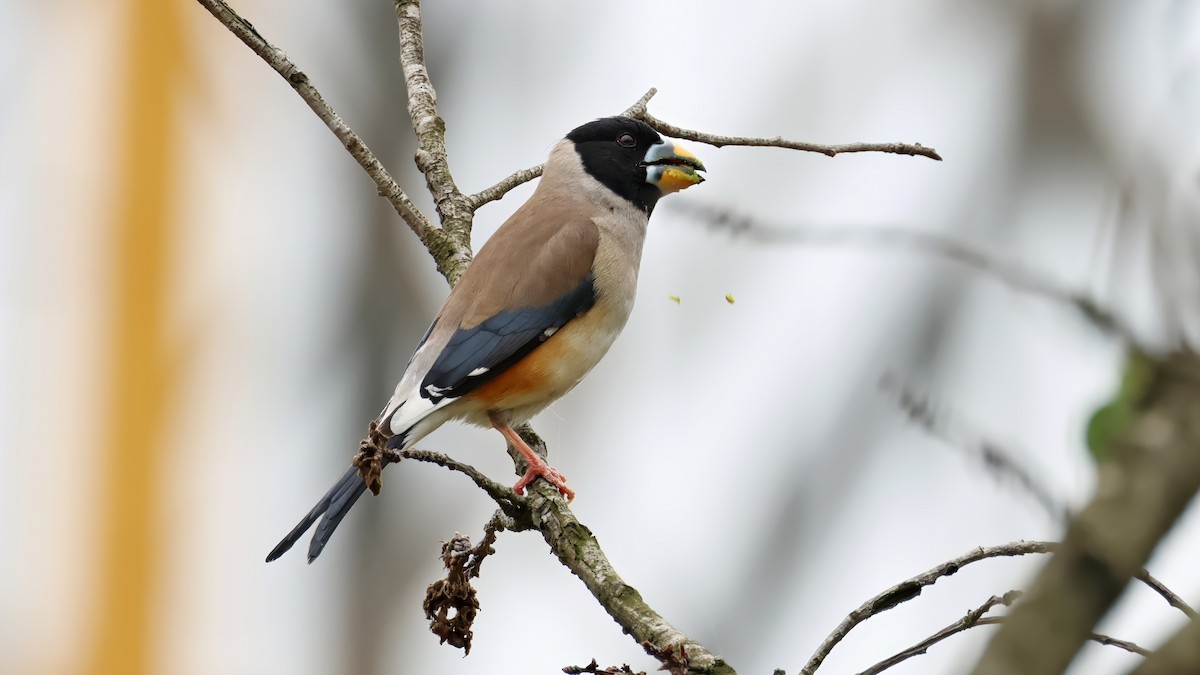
(203, 302)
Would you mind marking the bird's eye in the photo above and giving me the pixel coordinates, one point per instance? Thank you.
(626, 139)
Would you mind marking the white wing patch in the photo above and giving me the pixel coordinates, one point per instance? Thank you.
(407, 413)
(474, 373)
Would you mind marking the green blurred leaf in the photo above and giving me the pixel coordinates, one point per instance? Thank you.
(1111, 419)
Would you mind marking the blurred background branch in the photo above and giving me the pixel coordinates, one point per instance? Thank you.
(1015, 276)
(912, 588)
(1001, 462)
(1153, 474)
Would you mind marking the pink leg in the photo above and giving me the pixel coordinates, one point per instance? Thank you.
(538, 468)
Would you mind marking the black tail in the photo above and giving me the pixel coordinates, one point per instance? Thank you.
(334, 506)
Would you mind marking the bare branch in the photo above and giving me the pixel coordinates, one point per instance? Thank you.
(717, 140)
(279, 61)
(1000, 462)
(1109, 641)
(972, 619)
(911, 588)
(496, 192)
(975, 618)
(455, 211)
(577, 548)
(1098, 638)
(1153, 474)
(513, 505)
(1167, 594)
(639, 111)
(1014, 276)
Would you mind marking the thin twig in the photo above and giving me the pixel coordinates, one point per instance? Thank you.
(972, 619)
(1098, 638)
(911, 588)
(497, 191)
(279, 61)
(975, 618)
(1016, 277)
(717, 140)
(1167, 594)
(1109, 641)
(940, 424)
(639, 111)
(515, 506)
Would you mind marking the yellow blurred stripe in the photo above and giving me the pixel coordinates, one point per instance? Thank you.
(140, 385)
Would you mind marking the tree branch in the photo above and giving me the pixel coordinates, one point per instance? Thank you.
(911, 588)
(497, 191)
(577, 548)
(1152, 476)
(455, 211)
(717, 140)
(972, 619)
(975, 618)
(514, 506)
(279, 61)
(1167, 594)
(639, 111)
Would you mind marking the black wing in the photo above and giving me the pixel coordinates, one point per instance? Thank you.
(475, 355)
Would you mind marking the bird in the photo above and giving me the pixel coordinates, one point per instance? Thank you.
(538, 307)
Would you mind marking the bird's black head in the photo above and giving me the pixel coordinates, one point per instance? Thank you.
(632, 160)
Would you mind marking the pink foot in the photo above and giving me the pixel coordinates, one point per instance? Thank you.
(538, 468)
(552, 475)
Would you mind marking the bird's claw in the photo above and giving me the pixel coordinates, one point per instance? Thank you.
(552, 475)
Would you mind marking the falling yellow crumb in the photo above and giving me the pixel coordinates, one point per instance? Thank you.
(729, 298)
(673, 298)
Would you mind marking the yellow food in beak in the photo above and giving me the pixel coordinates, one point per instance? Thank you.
(672, 167)
(675, 179)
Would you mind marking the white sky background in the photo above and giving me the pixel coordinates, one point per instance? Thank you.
(709, 427)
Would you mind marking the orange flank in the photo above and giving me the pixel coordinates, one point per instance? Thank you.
(529, 380)
(551, 369)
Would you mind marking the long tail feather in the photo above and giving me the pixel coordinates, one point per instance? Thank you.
(333, 506)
